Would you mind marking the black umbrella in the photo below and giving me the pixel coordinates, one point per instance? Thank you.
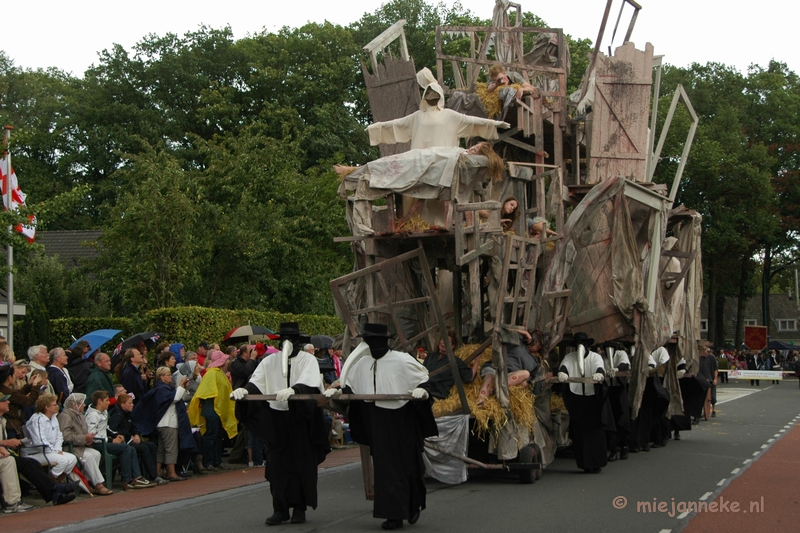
(149, 338)
(321, 341)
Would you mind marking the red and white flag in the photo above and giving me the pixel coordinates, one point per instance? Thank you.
(17, 199)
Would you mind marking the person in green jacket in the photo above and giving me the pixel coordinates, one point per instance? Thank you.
(100, 376)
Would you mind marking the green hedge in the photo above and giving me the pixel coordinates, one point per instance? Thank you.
(191, 325)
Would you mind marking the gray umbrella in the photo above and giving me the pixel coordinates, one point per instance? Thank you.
(321, 341)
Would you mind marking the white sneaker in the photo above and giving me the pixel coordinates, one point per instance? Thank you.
(18, 507)
(250, 464)
(334, 434)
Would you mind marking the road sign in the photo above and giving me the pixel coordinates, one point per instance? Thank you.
(755, 337)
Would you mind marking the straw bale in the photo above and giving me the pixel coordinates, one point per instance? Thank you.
(491, 102)
(490, 417)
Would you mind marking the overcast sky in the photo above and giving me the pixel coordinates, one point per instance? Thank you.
(68, 35)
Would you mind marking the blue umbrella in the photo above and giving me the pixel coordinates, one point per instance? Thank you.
(97, 338)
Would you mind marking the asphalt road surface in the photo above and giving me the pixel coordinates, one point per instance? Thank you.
(691, 470)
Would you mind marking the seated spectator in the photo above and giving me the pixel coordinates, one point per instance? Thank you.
(74, 429)
(163, 410)
(97, 420)
(19, 399)
(21, 369)
(119, 421)
(212, 410)
(43, 430)
(58, 493)
(100, 376)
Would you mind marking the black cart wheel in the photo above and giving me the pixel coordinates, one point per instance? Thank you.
(527, 455)
(539, 459)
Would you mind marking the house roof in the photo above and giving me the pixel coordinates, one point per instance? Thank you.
(72, 247)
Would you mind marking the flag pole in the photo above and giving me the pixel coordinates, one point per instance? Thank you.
(10, 250)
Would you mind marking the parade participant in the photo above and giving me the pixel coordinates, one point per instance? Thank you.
(393, 429)
(441, 383)
(655, 401)
(521, 364)
(709, 369)
(294, 431)
(589, 416)
(617, 361)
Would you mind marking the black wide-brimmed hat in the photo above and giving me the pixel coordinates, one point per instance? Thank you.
(582, 338)
(289, 330)
(375, 330)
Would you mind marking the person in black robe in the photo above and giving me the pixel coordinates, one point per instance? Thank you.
(294, 431)
(394, 430)
(589, 412)
(617, 393)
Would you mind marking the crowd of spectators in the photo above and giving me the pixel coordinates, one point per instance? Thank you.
(159, 418)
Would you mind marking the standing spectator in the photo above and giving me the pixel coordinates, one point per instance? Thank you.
(97, 420)
(119, 421)
(57, 374)
(179, 350)
(19, 399)
(167, 359)
(134, 378)
(74, 428)
(211, 408)
(241, 369)
(708, 368)
(100, 376)
(162, 410)
(43, 430)
(190, 369)
(754, 362)
(202, 351)
(39, 359)
(78, 366)
(773, 363)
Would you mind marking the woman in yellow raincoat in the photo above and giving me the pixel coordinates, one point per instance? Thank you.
(212, 410)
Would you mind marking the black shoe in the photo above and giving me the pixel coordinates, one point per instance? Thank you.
(635, 449)
(645, 448)
(664, 442)
(298, 516)
(414, 517)
(185, 474)
(654, 445)
(613, 457)
(677, 435)
(713, 414)
(277, 518)
(696, 421)
(392, 524)
(623, 454)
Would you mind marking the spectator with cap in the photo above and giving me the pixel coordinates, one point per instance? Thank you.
(212, 410)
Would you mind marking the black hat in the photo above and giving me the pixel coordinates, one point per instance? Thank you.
(610, 344)
(375, 330)
(289, 330)
(304, 339)
(582, 338)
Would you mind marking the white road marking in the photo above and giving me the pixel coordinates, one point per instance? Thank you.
(665, 531)
(771, 440)
(722, 482)
(747, 461)
(735, 471)
(764, 446)
(728, 395)
(756, 453)
(705, 496)
(682, 516)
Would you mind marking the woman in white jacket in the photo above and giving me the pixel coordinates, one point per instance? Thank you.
(43, 429)
(75, 429)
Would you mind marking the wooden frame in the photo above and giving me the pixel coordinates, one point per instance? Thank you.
(375, 280)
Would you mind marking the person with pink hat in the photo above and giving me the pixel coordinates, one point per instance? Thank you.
(212, 409)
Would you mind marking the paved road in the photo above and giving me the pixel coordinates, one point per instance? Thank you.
(693, 469)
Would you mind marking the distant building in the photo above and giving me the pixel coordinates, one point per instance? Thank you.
(784, 317)
(73, 248)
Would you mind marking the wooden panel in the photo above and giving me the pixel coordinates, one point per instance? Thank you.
(620, 112)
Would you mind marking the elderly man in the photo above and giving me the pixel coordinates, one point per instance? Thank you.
(39, 359)
(100, 376)
(57, 374)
